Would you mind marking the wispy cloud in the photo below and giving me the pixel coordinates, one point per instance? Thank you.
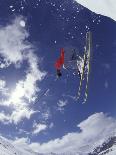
(3, 88)
(14, 49)
(38, 128)
(61, 105)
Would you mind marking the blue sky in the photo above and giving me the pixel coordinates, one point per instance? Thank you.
(28, 52)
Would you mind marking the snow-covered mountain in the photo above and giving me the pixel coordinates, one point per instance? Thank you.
(6, 148)
(107, 148)
(103, 7)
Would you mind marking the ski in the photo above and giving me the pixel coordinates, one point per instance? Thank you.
(85, 69)
(88, 52)
(82, 75)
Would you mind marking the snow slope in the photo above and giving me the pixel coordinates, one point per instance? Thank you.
(113, 151)
(103, 7)
(6, 148)
(107, 148)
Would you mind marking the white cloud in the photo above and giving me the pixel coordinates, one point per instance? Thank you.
(14, 49)
(3, 88)
(62, 103)
(46, 114)
(51, 125)
(21, 145)
(4, 118)
(2, 84)
(39, 127)
(103, 7)
(12, 43)
(22, 142)
(94, 131)
(16, 115)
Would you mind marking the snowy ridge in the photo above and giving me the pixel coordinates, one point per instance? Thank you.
(103, 7)
(6, 148)
(107, 148)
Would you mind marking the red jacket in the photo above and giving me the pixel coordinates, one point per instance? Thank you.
(60, 61)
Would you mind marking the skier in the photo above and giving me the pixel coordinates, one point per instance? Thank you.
(59, 63)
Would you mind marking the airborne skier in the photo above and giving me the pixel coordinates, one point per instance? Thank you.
(59, 63)
(70, 59)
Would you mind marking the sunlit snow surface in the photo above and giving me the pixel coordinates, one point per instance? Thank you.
(6, 148)
(103, 7)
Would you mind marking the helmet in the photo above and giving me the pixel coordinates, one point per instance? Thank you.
(59, 73)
